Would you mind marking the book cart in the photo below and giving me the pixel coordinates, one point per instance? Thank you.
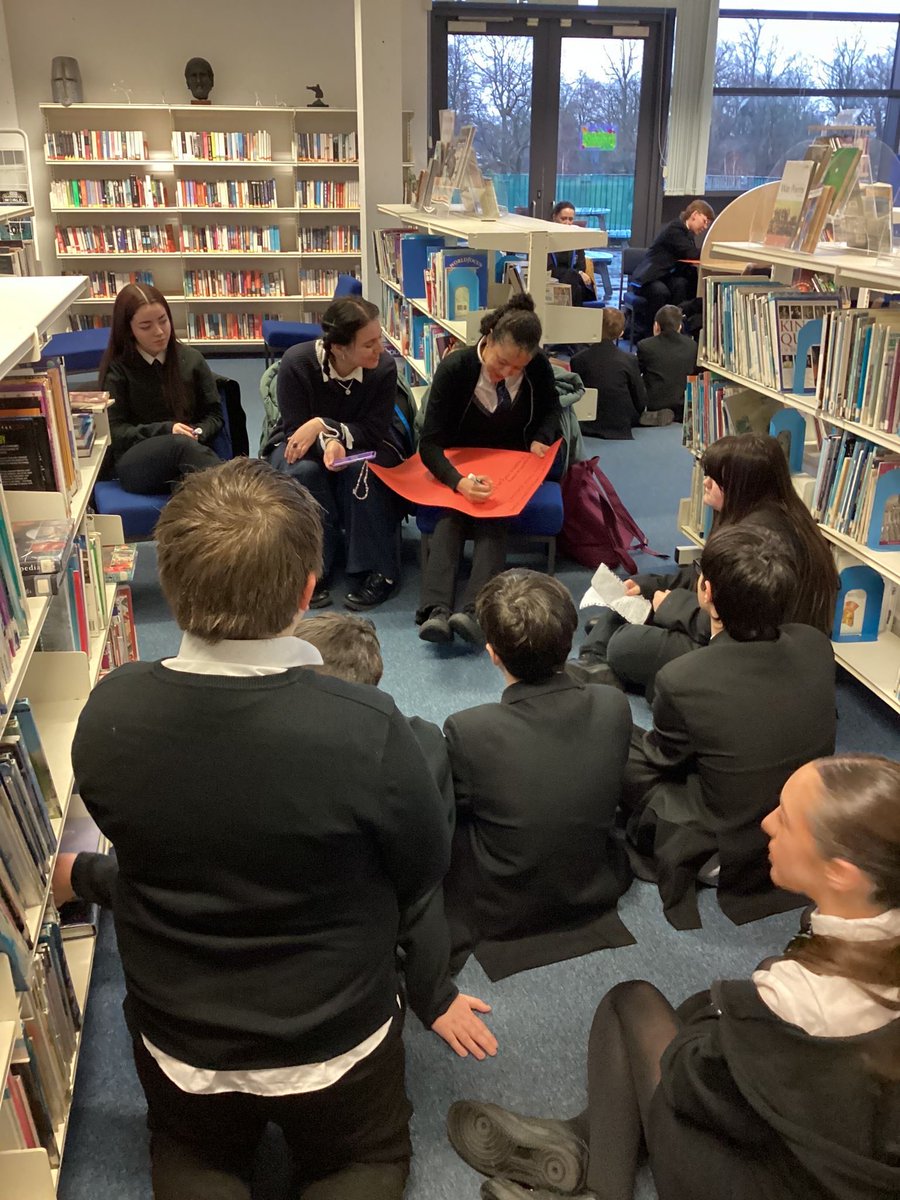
(56, 685)
(876, 663)
(404, 303)
(238, 213)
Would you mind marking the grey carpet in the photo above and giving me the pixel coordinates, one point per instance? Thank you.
(541, 1018)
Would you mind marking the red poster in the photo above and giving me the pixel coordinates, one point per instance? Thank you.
(516, 476)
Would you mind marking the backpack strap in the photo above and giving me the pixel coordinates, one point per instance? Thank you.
(630, 533)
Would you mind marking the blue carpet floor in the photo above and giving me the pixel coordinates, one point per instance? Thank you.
(541, 1018)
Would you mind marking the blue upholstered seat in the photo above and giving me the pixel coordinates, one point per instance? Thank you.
(281, 335)
(81, 350)
(539, 521)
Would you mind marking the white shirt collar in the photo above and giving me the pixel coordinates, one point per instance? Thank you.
(329, 373)
(265, 656)
(857, 929)
(151, 358)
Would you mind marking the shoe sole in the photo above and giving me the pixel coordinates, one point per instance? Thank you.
(534, 1153)
(437, 635)
(464, 629)
(357, 606)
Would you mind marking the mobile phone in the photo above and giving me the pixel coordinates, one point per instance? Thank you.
(349, 459)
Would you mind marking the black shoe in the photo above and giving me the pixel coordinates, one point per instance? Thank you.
(525, 1149)
(373, 590)
(505, 1189)
(592, 670)
(321, 597)
(436, 626)
(657, 416)
(465, 626)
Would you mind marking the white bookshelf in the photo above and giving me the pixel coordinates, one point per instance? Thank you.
(284, 170)
(56, 683)
(507, 235)
(875, 664)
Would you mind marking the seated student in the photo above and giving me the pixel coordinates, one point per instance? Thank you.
(261, 985)
(570, 266)
(500, 394)
(535, 873)
(666, 273)
(747, 482)
(666, 360)
(730, 723)
(784, 1086)
(617, 377)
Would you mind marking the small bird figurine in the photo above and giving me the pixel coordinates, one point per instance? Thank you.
(318, 102)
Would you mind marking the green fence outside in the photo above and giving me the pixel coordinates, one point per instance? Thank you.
(615, 192)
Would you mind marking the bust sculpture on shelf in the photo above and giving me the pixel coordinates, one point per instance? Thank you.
(199, 77)
(65, 81)
(318, 93)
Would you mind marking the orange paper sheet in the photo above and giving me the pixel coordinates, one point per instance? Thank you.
(516, 476)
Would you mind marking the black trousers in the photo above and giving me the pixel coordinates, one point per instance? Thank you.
(635, 652)
(445, 550)
(157, 465)
(349, 1141)
(355, 501)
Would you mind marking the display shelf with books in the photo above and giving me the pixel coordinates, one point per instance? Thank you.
(51, 548)
(760, 334)
(197, 182)
(443, 267)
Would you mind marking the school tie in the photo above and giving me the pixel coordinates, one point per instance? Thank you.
(504, 399)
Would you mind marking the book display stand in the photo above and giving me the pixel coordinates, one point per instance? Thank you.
(43, 977)
(237, 214)
(843, 366)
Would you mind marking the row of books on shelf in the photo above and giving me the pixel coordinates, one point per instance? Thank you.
(416, 334)
(38, 1089)
(226, 193)
(116, 239)
(857, 490)
(716, 407)
(99, 144)
(234, 283)
(131, 191)
(859, 367)
(38, 451)
(318, 281)
(244, 239)
(327, 193)
(217, 146)
(326, 147)
(755, 327)
(104, 285)
(452, 280)
(233, 327)
(329, 239)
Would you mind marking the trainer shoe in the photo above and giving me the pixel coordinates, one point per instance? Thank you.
(436, 626)
(464, 625)
(526, 1150)
(593, 670)
(657, 416)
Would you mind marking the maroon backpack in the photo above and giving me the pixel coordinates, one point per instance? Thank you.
(597, 527)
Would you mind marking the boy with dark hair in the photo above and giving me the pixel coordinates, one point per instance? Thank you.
(535, 872)
(731, 722)
(666, 360)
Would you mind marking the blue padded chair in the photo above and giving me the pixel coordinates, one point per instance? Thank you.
(539, 521)
(80, 350)
(281, 335)
(140, 513)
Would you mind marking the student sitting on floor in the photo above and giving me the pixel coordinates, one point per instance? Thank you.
(785, 1085)
(616, 375)
(666, 360)
(730, 723)
(535, 874)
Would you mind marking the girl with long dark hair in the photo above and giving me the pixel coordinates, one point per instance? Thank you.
(746, 480)
(166, 409)
(785, 1085)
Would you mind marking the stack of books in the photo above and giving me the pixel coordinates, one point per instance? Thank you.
(216, 146)
(245, 239)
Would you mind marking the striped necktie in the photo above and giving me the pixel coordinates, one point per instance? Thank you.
(504, 399)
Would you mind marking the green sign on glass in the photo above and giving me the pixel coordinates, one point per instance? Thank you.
(598, 137)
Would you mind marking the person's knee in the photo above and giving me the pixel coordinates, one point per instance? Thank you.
(634, 996)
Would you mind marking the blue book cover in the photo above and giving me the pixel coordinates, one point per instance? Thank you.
(466, 276)
(414, 249)
(863, 367)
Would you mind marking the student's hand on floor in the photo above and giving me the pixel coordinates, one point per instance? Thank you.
(301, 440)
(184, 430)
(658, 598)
(333, 451)
(475, 490)
(631, 588)
(62, 879)
(539, 449)
(463, 1032)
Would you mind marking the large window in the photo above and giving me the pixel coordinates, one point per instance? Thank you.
(781, 74)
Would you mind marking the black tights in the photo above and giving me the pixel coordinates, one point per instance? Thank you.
(633, 1025)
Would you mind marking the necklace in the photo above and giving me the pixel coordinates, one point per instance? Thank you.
(346, 386)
